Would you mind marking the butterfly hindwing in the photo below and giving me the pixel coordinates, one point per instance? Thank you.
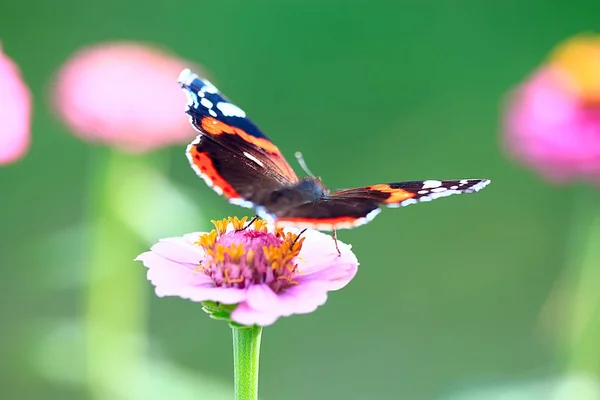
(354, 207)
(327, 213)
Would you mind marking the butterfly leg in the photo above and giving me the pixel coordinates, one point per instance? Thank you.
(249, 223)
(336, 242)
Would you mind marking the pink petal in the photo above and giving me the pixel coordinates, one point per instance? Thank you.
(123, 94)
(261, 297)
(303, 298)
(336, 276)
(179, 249)
(175, 278)
(168, 276)
(15, 108)
(300, 299)
(319, 261)
(245, 315)
(210, 292)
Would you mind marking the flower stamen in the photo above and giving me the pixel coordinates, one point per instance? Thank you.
(260, 225)
(207, 240)
(199, 268)
(230, 280)
(238, 224)
(288, 279)
(254, 219)
(249, 249)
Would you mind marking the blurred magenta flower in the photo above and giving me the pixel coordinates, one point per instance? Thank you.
(553, 119)
(15, 109)
(267, 272)
(123, 94)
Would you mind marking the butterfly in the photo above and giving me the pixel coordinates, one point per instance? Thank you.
(238, 161)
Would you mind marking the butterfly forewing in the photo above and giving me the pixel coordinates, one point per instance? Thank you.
(231, 154)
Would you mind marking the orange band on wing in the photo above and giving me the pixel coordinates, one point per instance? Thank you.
(332, 221)
(216, 127)
(321, 223)
(396, 195)
(205, 167)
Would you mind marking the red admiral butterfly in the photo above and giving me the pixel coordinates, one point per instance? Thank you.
(239, 162)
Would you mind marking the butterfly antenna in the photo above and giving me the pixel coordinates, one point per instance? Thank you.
(302, 163)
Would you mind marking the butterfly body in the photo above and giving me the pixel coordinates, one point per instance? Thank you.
(304, 191)
(238, 161)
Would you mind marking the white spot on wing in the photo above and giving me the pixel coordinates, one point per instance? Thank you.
(206, 103)
(241, 202)
(264, 214)
(192, 99)
(431, 184)
(408, 202)
(478, 187)
(186, 77)
(230, 110)
(209, 87)
(438, 192)
(256, 160)
(196, 140)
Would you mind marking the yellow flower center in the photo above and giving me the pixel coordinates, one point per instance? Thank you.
(249, 255)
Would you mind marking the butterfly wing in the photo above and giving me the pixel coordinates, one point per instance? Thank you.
(354, 207)
(231, 154)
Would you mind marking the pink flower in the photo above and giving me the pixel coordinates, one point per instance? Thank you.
(553, 119)
(123, 94)
(15, 109)
(266, 272)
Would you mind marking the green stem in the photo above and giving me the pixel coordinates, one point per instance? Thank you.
(584, 293)
(246, 351)
(115, 305)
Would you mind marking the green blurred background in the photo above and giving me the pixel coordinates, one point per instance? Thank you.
(452, 298)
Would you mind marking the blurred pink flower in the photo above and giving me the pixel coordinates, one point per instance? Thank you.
(268, 273)
(123, 94)
(15, 109)
(553, 119)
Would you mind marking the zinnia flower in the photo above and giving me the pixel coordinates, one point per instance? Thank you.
(553, 119)
(123, 94)
(263, 272)
(15, 108)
